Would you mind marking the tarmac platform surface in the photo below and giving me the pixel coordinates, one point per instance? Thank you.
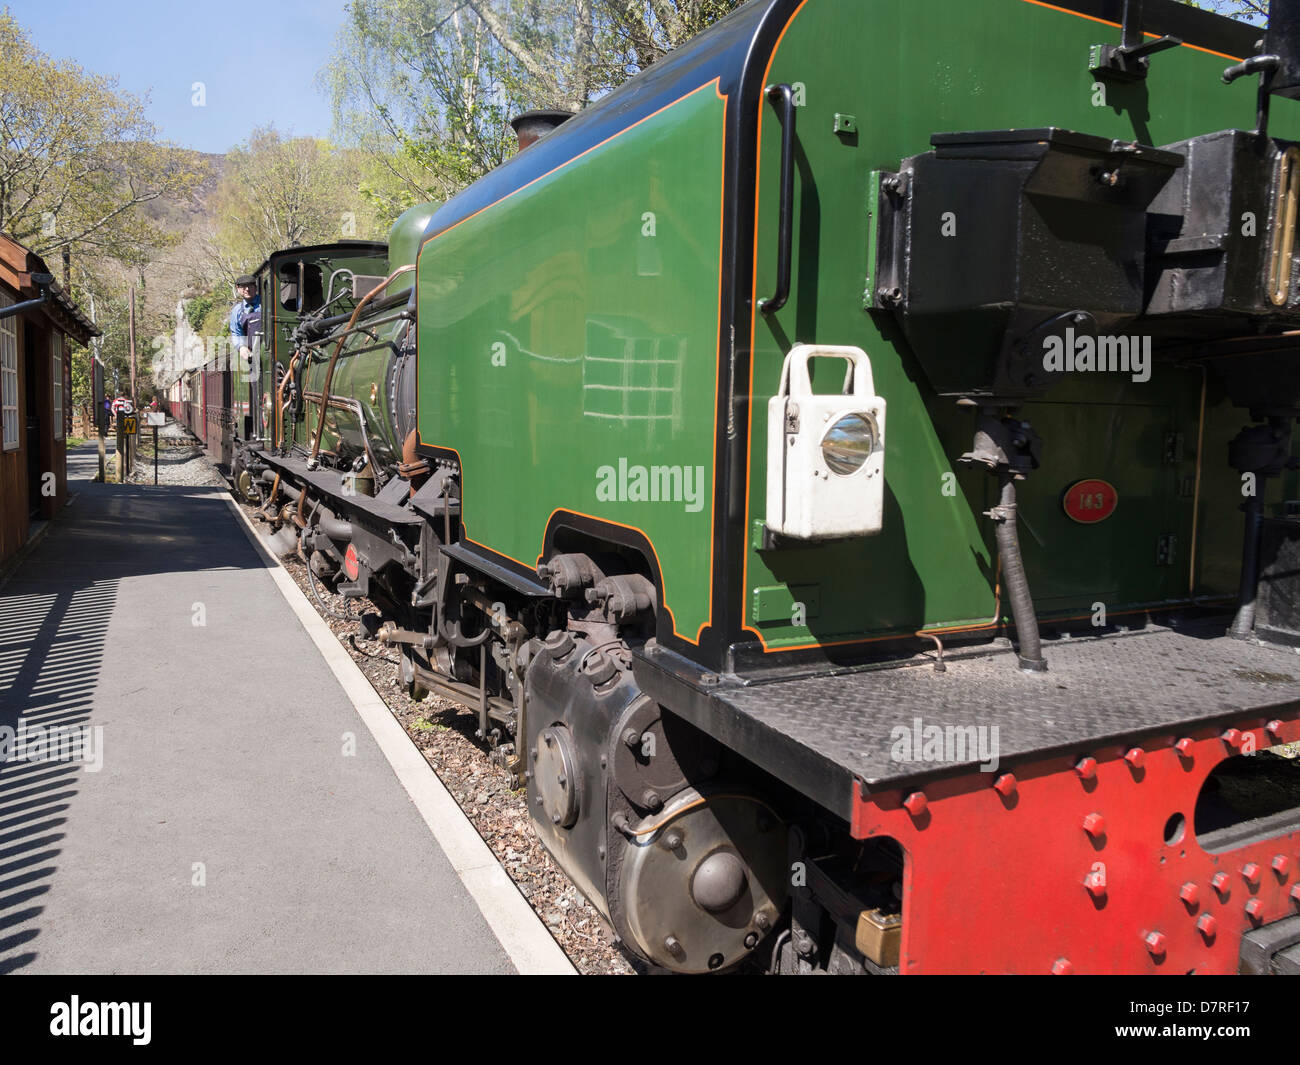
(243, 820)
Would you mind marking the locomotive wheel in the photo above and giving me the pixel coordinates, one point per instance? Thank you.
(704, 881)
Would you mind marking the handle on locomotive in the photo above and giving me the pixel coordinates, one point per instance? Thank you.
(782, 97)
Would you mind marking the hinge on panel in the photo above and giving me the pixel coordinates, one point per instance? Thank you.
(1173, 448)
(1165, 548)
(1128, 60)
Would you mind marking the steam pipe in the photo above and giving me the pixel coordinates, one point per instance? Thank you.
(1244, 621)
(1030, 649)
(314, 329)
(277, 429)
(270, 476)
(336, 529)
(365, 327)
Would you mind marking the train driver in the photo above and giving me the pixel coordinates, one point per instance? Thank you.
(248, 304)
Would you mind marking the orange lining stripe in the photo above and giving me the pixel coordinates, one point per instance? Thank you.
(903, 634)
(1107, 22)
(753, 333)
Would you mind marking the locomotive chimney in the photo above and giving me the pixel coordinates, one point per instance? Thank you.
(533, 125)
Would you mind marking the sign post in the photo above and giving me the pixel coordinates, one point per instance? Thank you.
(155, 418)
(130, 426)
(99, 404)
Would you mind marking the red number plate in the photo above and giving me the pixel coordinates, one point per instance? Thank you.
(1090, 501)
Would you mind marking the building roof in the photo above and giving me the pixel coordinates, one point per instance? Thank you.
(17, 264)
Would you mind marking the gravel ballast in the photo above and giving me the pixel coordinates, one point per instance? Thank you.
(181, 459)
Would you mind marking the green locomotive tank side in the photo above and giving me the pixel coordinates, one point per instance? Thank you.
(933, 565)
(569, 349)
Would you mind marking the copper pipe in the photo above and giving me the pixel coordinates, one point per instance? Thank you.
(338, 348)
(1284, 219)
(412, 467)
(993, 623)
(271, 498)
(939, 667)
(278, 428)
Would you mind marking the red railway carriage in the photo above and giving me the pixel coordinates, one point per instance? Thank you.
(192, 402)
(218, 417)
(176, 400)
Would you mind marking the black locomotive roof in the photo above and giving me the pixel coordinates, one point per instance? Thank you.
(352, 246)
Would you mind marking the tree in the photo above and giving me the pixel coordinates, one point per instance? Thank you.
(1247, 10)
(426, 88)
(421, 88)
(78, 158)
(281, 191)
(83, 171)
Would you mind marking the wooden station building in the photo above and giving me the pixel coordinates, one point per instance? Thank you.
(35, 386)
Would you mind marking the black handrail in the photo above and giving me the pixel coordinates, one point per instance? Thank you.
(782, 97)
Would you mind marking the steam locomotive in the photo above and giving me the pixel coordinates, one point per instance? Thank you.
(821, 463)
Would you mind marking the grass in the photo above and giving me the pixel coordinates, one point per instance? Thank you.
(423, 724)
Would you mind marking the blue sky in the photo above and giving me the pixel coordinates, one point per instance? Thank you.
(258, 61)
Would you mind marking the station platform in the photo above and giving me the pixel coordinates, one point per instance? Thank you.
(244, 817)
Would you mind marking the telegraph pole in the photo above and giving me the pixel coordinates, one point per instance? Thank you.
(135, 397)
(135, 400)
(97, 407)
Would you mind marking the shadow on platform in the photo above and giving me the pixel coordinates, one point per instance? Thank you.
(55, 613)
